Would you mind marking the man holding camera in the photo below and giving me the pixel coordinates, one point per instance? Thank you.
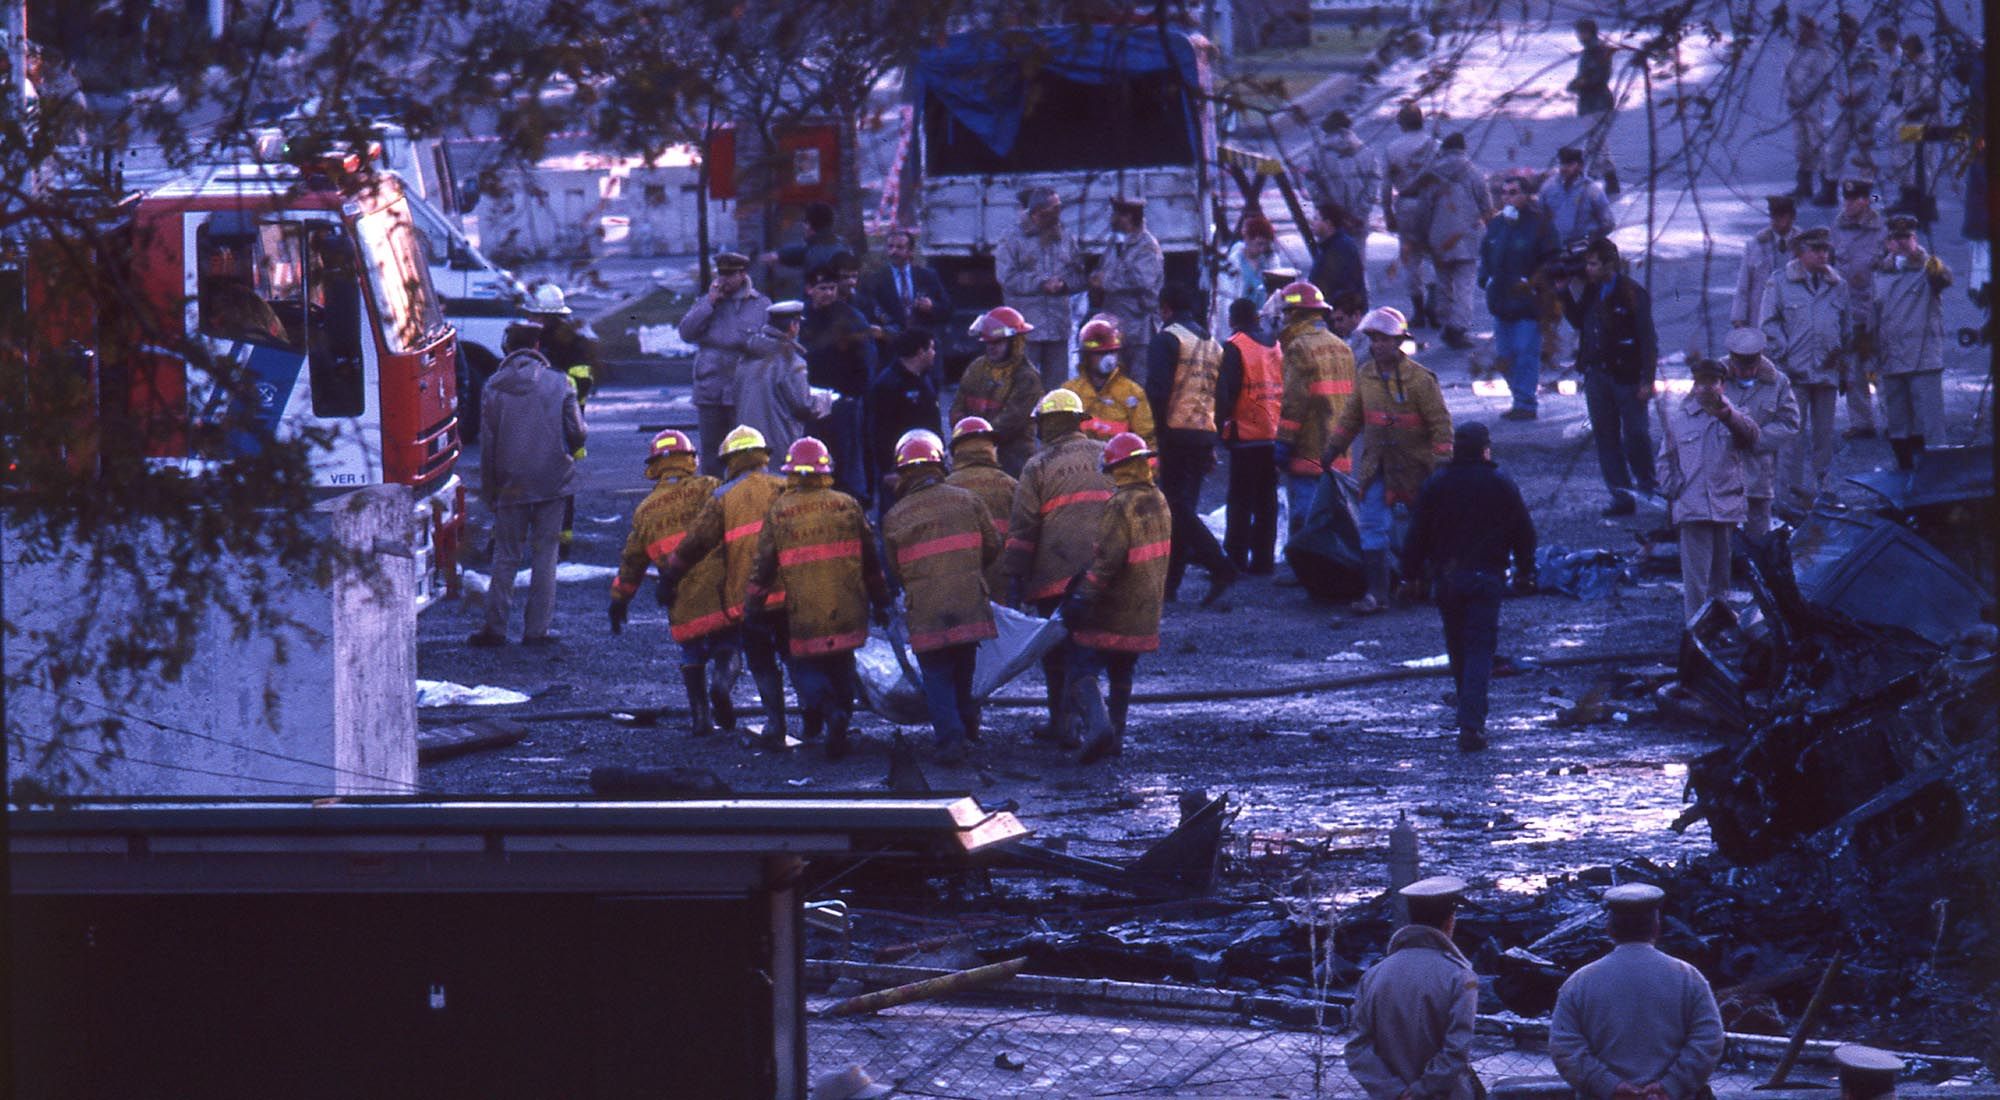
(1617, 350)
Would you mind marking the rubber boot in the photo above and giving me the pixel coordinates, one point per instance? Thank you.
(1375, 567)
(1826, 195)
(811, 721)
(1057, 730)
(836, 733)
(1118, 703)
(721, 707)
(1804, 190)
(696, 681)
(721, 681)
(771, 689)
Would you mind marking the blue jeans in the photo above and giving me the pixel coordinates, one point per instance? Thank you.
(1376, 520)
(840, 430)
(1519, 346)
(1622, 430)
(1088, 712)
(1469, 603)
(947, 675)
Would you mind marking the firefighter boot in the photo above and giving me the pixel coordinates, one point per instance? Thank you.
(837, 721)
(1058, 728)
(1118, 703)
(696, 681)
(771, 689)
(1375, 568)
(721, 706)
(811, 721)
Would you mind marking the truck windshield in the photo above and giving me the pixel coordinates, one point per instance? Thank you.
(1072, 127)
(400, 278)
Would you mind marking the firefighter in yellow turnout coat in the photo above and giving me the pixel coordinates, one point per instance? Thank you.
(698, 621)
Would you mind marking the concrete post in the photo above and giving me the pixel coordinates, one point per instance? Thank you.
(374, 642)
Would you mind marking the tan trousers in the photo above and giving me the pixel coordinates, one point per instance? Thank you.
(1704, 565)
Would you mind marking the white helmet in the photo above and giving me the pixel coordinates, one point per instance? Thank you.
(1385, 320)
(548, 299)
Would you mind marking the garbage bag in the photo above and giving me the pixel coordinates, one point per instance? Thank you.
(1584, 574)
(893, 691)
(1326, 553)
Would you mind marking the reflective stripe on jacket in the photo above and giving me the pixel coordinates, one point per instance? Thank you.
(1056, 507)
(1123, 593)
(1191, 403)
(1004, 394)
(817, 545)
(940, 539)
(1404, 428)
(1319, 385)
(1255, 417)
(659, 526)
(1120, 406)
(974, 470)
(732, 518)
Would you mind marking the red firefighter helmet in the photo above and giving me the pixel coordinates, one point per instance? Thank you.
(1001, 323)
(918, 446)
(1102, 334)
(670, 442)
(1124, 447)
(969, 427)
(807, 456)
(1303, 295)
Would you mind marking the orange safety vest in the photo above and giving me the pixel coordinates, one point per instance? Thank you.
(1191, 405)
(1255, 417)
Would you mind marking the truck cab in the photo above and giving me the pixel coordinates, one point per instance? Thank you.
(1093, 112)
(313, 285)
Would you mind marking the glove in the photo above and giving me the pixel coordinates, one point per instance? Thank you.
(1283, 453)
(665, 591)
(1938, 274)
(620, 610)
(1524, 583)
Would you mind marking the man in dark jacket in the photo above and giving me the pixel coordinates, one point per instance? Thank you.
(906, 294)
(1520, 240)
(1469, 518)
(1337, 267)
(529, 429)
(840, 356)
(904, 396)
(1617, 350)
(1182, 365)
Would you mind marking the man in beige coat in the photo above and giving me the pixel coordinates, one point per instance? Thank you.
(1040, 268)
(1130, 277)
(1757, 387)
(1707, 446)
(1414, 1010)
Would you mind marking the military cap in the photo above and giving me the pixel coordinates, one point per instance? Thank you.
(1902, 225)
(1818, 234)
(1856, 188)
(1847, 22)
(1635, 895)
(1129, 206)
(1569, 154)
(731, 261)
(1748, 340)
(1781, 204)
(1437, 887)
(1335, 121)
(1453, 142)
(1471, 436)
(790, 307)
(1865, 1071)
(1711, 368)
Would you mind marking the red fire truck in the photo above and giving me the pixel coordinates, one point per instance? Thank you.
(313, 285)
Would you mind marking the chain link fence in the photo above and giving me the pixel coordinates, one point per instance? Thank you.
(978, 1046)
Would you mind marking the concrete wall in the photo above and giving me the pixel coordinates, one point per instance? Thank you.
(309, 709)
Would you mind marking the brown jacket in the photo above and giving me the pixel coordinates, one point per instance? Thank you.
(659, 524)
(1404, 427)
(732, 519)
(976, 468)
(940, 539)
(818, 547)
(1056, 509)
(1005, 394)
(1319, 381)
(1123, 593)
